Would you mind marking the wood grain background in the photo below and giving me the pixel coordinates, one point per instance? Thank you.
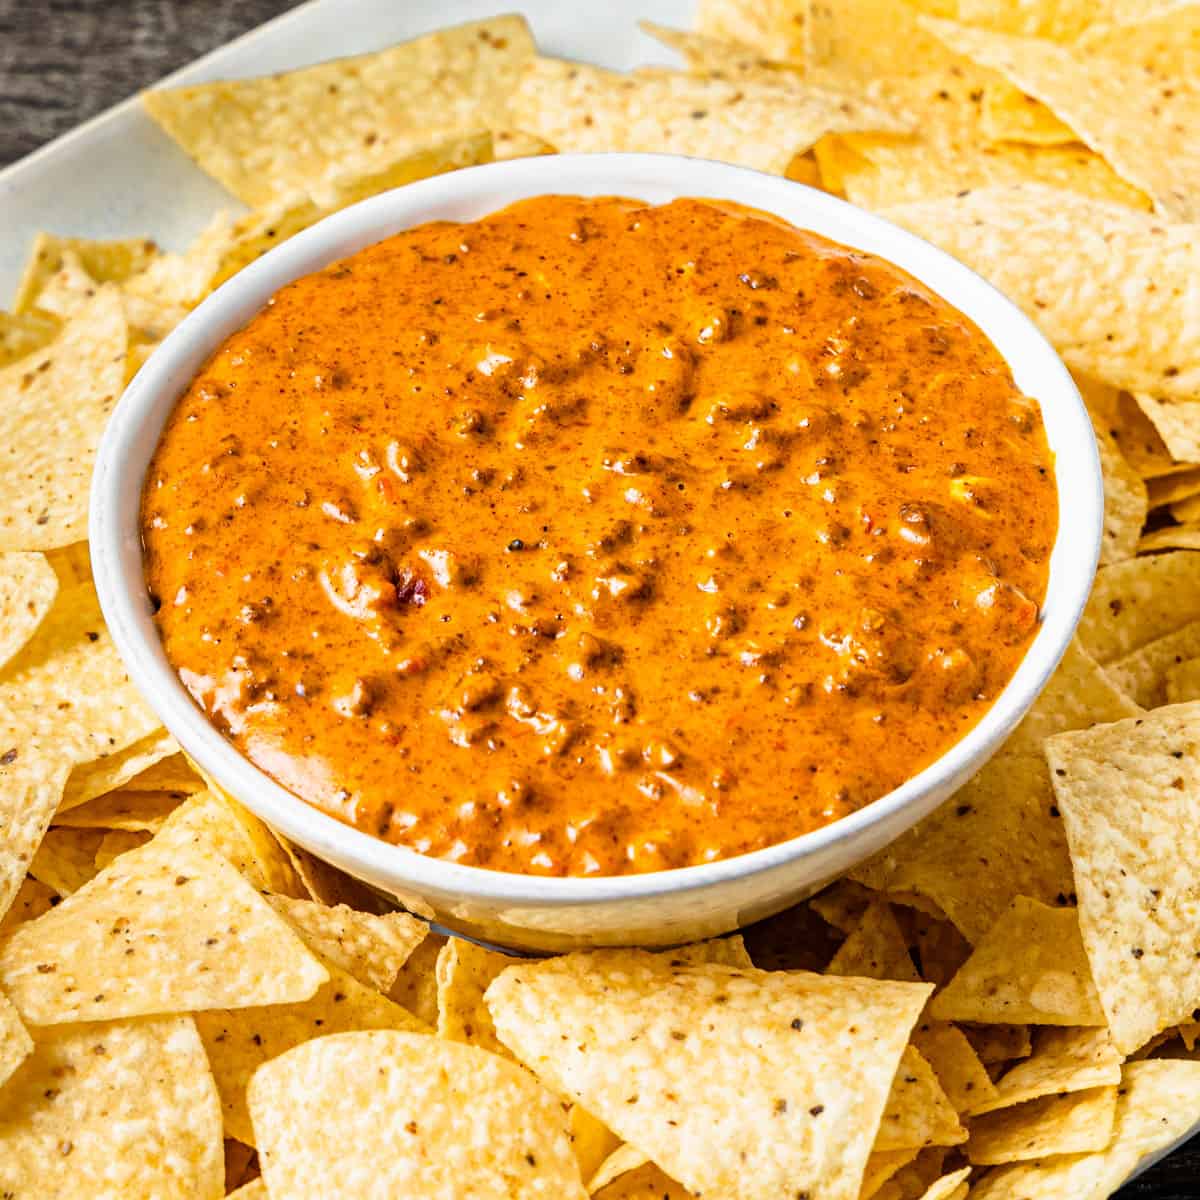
(62, 61)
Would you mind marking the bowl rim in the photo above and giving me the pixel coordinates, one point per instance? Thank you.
(134, 428)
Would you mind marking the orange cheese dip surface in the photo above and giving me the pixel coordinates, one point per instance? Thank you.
(594, 538)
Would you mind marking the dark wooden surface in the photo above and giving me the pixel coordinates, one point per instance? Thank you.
(62, 61)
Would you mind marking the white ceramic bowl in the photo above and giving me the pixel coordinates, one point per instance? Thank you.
(665, 907)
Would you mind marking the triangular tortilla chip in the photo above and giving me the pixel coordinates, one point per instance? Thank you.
(1129, 797)
(876, 949)
(1177, 422)
(124, 1108)
(1077, 1123)
(1183, 681)
(1125, 500)
(918, 1113)
(23, 333)
(279, 134)
(1030, 967)
(662, 1055)
(33, 898)
(66, 859)
(1009, 115)
(1109, 286)
(104, 262)
(373, 1114)
(773, 27)
(1142, 673)
(130, 811)
(91, 779)
(28, 586)
(957, 1066)
(15, 1043)
(200, 936)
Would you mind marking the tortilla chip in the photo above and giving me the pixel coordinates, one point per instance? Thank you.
(33, 898)
(662, 1055)
(416, 986)
(1157, 1103)
(66, 859)
(918, 1112)
(959, 1070)
(104, 262)
(117, 842)
(1178, 424)
(941, 949)
(175, 282)
(859, 41)
(1136, 602)
(238, 1041)
(1170, 537)
(371, 948)
(1173, 488)
(1142, 673)
(592, 1142)
(1135, 435)
(256, 1189)
(1183, 681)
(876, 949)
(1128, 795)
(28, 586)
(200, 935)
(370, 1114)
(125, 1108)
(1107, 285)
(1126, 108)
(279, 134)
(15, 1043)
(775, 28)
(325, 883)
(584, 109)
(843, 903)
(881, 1166)
(1009, 115)
(1076, 1123)
(1187, 512)
(705, 55)
(1066, 1060)
(998, 1044)
(129, 811)
(53, 408)
(1030, 967)
(1125, 499)
(23, 333)
(622, 1159)
(92, 779)
(171, 774)
(999, 836)
(646, 1182)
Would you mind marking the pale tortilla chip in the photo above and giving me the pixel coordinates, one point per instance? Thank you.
(876, 949)
(53, 408)
(958, 1068)
(66, 859)
(918, 1112)
(172, 774)
(371, 948)
(238, 1041)
(1128, 795)
(1065, 1060)
(999, 836)
(1142, 673)
(175, 282)
(706, 55)
(103, 262)
(1009, 115)
(128, 811)
(646, 1182)
(881, 1166)
(325, 883)
(371, 1115)
(1135, 435)
(1030, 967)
(775, 28)
(1077, 1123)
(33, 898)
(124, 1108)
(1178, 423)
(584, 109)
(28, 586)
(859, 41)
(15, 1043)
(416, 985)
(624, 1158)
(1126, 502)
(23, 333)
(1140, 120)
(200, 935)
(1136, 602)
(1157, 1103)
(279, 134)
(1109, 286)
(1183, 681)
(661, 1055)
(91, 779)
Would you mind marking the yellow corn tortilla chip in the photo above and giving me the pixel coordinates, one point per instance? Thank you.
(1183, 681)
(661, 1055)
(28, 586)
(1142, 673)
(1030, 967)
(15, 1043)
(23, 333)
(371, 1115)
(325, 883)
(371, 948)
(33, 898)
(238, 1041)
(1138, 601)
(1065, 1060)
(279, 134)
(1135, 435)
(941, 950)
(1106, 284)
(104, 262)
(416, 985)
(592, 1142)
(999, 836)
(646, 1182)
(117, 842)
(124, 1108)
(958, 1068)
(918, 1112)
(200, 935)
(256, 1189)
(91, 779)
(1076, 1123)
(1058, 20)
(950, 1187)
(171, 774)
(66, 859)
(1125, 499)
(53, 408)
(1171, 537)
(1128, 793)
(128, 811)
(1177, 422)
(706, 55)
(1141, 119)
(177, 282)
(775, 28)
(72, 563)
(1157, 1103)
(1175, 488)
(584, 109)
(64, 699)
(876, 948)
(859, 41)
(881, 1166)
(623, 1159)
(1009, 115)
(997, 1044)
(843, 903)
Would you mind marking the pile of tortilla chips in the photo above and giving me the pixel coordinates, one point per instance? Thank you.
(1004, 1004)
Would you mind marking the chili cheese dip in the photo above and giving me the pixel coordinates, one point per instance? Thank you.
(594, 538)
